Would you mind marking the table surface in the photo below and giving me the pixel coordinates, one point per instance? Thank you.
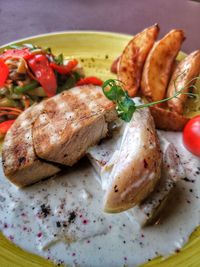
(24, 18)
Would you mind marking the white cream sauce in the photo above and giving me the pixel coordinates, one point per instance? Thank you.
(61, 218)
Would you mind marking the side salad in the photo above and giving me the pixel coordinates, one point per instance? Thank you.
(29, 74)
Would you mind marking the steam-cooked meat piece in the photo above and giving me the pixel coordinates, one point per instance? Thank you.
(129, 163)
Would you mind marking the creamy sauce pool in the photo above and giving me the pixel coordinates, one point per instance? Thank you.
(61, 218)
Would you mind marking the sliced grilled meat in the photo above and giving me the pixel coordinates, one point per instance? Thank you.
(70, 123)
(20, 163)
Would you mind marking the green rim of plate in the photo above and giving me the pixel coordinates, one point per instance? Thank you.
(96, 51)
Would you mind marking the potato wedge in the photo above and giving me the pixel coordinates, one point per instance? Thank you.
(114, 66)
(133, 58)
(186, 70)
(168, 120)
(158, 65)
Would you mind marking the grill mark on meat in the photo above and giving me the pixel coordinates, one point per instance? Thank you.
(76, 111)
(18, 153)
(92, 98)
(56, 123)
(51, 108)
(17, 150)
(61, 128)
(80, 110)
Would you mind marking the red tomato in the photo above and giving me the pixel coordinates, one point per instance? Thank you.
(16, 53)
(3, 72)
(64, 69)
(90, 80)
(191, 136)
(40, 66)
(5, 126)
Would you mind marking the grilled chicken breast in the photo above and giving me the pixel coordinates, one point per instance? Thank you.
(70, 123)
(129, 163)
(20, 163)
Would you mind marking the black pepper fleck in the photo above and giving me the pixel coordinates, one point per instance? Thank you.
(188, 180)
(72, 217)
(21, 160)
(45, 210)
(145, 164)
(58, 224)
(115, 189)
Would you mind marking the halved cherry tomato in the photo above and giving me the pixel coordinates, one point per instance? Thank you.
(5, 126)
(64, 69)
(191, 136)
(90, 80)
(16, 53)
(3, 72)
(44, 74)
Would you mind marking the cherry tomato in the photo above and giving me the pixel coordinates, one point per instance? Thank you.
(3, 72)
(191, 136)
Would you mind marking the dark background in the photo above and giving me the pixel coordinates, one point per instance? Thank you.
(23, 18)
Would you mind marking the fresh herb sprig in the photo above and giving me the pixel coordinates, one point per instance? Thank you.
(125, 105)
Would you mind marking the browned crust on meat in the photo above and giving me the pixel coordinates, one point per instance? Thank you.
(20, 164)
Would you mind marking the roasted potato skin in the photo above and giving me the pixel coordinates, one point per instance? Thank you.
(133, 57)
(159, 64)
(138, 167)
(186, 70)
(167, 120)
(114, 66)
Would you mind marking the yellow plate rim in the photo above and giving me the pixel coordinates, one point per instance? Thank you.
(183, 259)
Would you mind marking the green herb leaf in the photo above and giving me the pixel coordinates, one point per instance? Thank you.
(68, 82)
(30, 86)
(125, 105)
(30, 46)
(20, 46)
(14, 46)
(59, 59)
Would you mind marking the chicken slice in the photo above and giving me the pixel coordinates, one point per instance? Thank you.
(129, 163)
(172, 172)
(20, 163)
(71, 122)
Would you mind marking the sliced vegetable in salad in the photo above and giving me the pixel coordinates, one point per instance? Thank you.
(4, 126)
(29, 73)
